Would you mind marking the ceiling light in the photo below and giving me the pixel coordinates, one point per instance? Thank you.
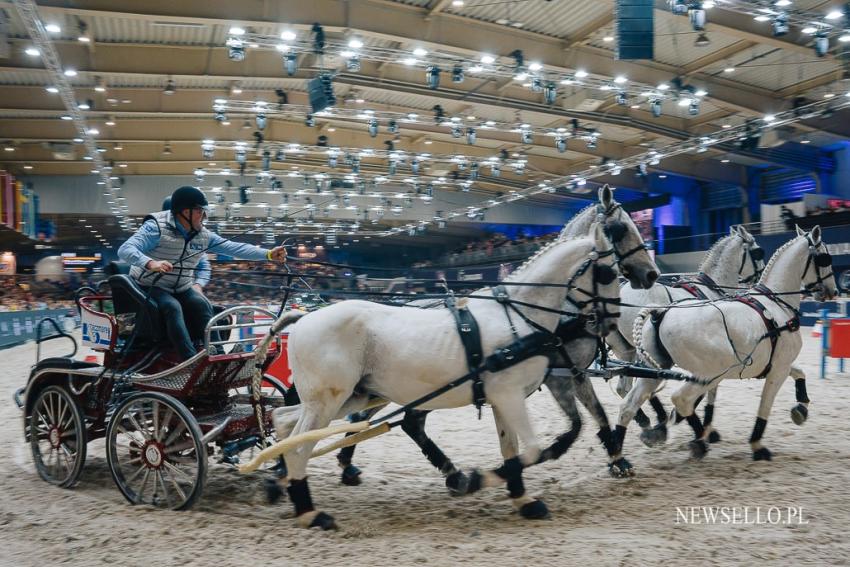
(355, 43)
(782, 3)
(53, 28)
(662, 176)
(118, 147)
(53, 90)
(844, 37)
(726, 126)
(84, 39)
(170, 88)
(608, 38)
(287, 35)
(70, 73)
(709, 4)
(110, 121)
(27, 167)
(122, 165)
(805, 141)
(620, 79)
(409, 61)
(635, 106)
(99, 86)
(32, 51)
(457, 3)
(762, 18)
(236, 30)
(833, 15)
(828, 95)
(488, 59)
(9, 147)
(769, 118)
(729, 70)
(420, 52)
(809, 29)
(700, 93)
(535, 66)
(581, 74)
(92, 131)
(66, 117)
(702, 40)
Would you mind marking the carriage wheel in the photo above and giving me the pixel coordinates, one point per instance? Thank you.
(57, 436)
(269, 388)
(155, 452)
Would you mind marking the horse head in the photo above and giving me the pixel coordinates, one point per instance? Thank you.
(629, 248)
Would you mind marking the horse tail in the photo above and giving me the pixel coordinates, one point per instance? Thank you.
(285, 320)
(647, 339)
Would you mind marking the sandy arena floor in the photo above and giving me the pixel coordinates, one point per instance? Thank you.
(402, 514)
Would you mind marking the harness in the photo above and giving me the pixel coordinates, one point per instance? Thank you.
(541, 342)
(773, 329)
(755, 254)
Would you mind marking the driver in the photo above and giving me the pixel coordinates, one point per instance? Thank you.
(168, 254)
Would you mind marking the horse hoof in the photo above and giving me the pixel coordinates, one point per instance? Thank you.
(799, 414)
(698, 448)
(762, 454)
(324, 521)
(714, 437)
(457, 483)
(351, 475)
(535, 510)
(273, 491)
(621, 468)
(655, 436)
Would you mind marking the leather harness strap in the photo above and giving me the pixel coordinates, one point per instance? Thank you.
(470, 337)
(773, 330)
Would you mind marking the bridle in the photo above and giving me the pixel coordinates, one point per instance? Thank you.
(819, 260)
(602, 274)
(616, 232)
(756, 254)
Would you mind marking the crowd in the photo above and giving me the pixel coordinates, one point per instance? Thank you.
(18, 293)
(497, 246)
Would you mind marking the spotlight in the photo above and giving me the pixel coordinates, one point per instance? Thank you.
(170, 88)
(208, 152)
(309, 121)
(353, 64)
(290, 64)
(621, 98)
(678, 7)
(550, 93)
(414, 167)
(697, 16)
(780, 24)
(392, 167)
(373, 128)
(527, 136)
(260, 119)
(220, 116)
(280, 155)
(392, 127)
(456, 131)
(439, 114)
(457, 74)
(240, 156)
(235, 49)
(470, 135)
(267, 161)
(473, 171)
(495, 170)
(432, 77)
(693, 107)
(561, 144)
(591, 143)
(333, 159)
(821, 44)
(536, 85)
(702, 40)
(655, 107)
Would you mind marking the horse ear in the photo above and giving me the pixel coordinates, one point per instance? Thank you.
(816, 235)
(800, 231)
(599, 238)
(732, 230)
(606, 195)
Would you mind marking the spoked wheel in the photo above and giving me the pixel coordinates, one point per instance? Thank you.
(58, 436)
(155, 452)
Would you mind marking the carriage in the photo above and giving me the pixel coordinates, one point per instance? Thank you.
(162, 421)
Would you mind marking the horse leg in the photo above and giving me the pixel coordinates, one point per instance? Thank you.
(685, 400)
(624, 351)
(350, 473)
(711, 434)
(413, 425)
(563, 390)
(637, 397)
(800, 412)
(316, 413)
(768, 394)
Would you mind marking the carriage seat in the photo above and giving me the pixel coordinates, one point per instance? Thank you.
(131, 302)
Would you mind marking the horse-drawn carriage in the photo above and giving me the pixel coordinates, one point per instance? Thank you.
(162, 421)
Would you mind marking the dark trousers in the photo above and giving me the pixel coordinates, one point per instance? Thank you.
(186, 315)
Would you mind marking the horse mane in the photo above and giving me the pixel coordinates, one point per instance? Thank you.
(713, 255)
(573, 221)
(533, 257)
(775, 255)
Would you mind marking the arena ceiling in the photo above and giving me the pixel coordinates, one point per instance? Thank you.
(152, 71)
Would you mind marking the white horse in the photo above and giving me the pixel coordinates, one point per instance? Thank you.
(564, 379)
(755, 335)
(344, 354)
(734, 261)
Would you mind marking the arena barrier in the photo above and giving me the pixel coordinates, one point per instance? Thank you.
(18, 327)
(835, 341)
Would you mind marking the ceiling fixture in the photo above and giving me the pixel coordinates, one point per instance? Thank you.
(702, 40)
(53, 28)
(70, 73)
(99, 85)
(51, 90)
(170, 87)
(83, 35)
(32, 52)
